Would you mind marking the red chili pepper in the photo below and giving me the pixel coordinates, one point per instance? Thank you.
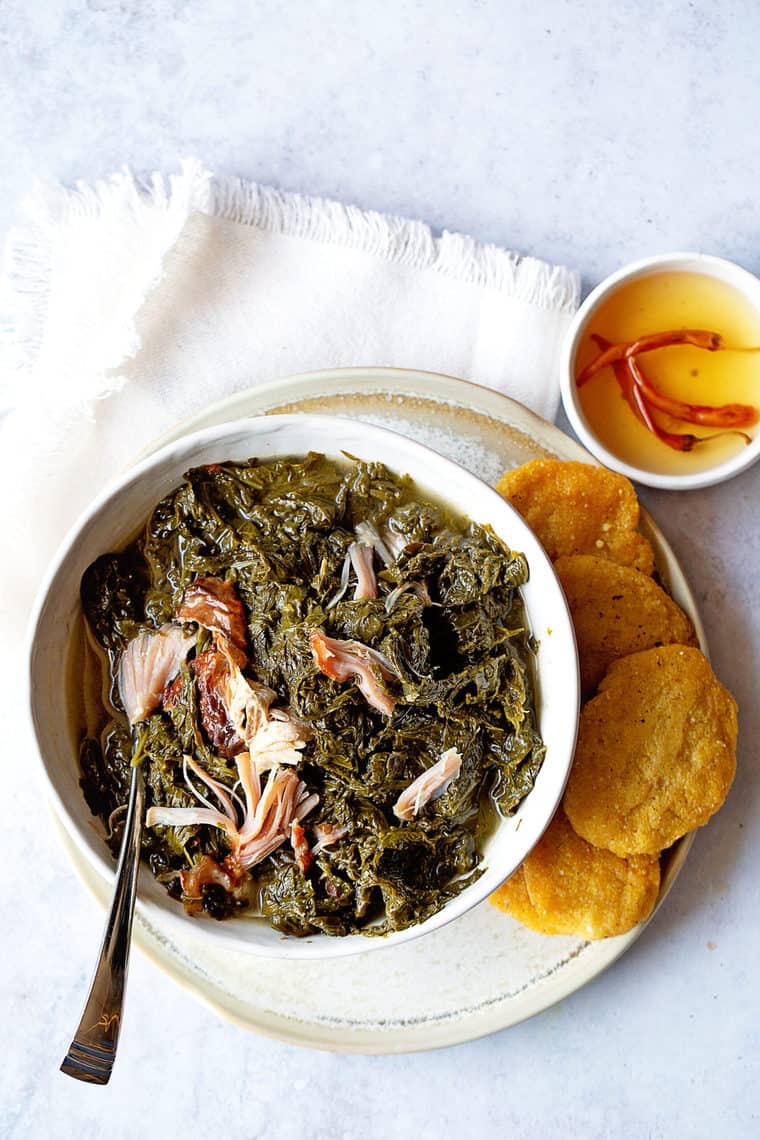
(636, 388)
(632, 395)
(677, 440)
(700, 338)
(625, 374)
(708, 415)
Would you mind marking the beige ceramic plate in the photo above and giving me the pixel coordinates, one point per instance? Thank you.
(483, 972)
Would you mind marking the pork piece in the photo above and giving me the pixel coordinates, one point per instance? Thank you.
(428, 786)
(325, 834)
(270, 816)
(353, 661)
(272, 736)
(212, 674)
(149, 662)
(171, 692)
(368, 533)
(269, 813)
(236, 713)
(300, 845)
(362, 557)
(214, 604)
(204, 871)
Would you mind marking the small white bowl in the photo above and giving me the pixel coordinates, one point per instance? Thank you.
(741, 280)
(123, 507)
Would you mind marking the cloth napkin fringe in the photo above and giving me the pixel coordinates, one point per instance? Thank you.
(141, 220)
(147, 216)
(396, 239)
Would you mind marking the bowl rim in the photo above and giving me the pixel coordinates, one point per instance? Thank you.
(262, 426)
(709, 264)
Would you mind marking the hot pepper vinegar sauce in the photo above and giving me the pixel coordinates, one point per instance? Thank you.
(652, 304)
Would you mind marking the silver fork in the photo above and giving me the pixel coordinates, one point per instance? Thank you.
(92, 1052)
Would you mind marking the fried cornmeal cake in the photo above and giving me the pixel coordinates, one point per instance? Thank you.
(616, 611)
(656, 752)
(577, 508)
(567, 886)
(513, 898)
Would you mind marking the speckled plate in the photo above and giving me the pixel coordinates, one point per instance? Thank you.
(483, 972)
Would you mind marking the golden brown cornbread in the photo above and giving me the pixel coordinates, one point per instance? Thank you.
(656, 752)
(577, 508)
(616, 611)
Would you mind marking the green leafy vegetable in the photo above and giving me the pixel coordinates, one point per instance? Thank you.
(448, 622)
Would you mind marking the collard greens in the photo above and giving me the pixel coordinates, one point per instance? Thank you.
(448, 618)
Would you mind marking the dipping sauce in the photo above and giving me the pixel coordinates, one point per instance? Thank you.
(653, 304)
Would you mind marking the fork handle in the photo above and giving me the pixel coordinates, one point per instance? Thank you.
(92, 1052)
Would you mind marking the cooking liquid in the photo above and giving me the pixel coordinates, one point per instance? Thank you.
(88, 683)
(657, 303)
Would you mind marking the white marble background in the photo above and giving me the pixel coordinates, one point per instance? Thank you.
(584, 132)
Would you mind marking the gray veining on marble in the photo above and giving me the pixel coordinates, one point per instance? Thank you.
(587, 133)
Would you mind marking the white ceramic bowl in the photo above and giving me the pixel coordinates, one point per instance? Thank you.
(119, 512)
(741, 280)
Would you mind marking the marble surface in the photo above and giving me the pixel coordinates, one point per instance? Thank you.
(585, 133)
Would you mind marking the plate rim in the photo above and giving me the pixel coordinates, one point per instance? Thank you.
(449, 391)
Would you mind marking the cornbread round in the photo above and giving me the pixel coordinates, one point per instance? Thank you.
(616, 611)
(577, 508)
(656, 752)
(580, 889)
(513, 898)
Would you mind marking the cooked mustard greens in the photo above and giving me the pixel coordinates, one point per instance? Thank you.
(452, 664)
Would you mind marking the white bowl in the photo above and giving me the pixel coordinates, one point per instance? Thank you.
(741, 280)
(120, 511)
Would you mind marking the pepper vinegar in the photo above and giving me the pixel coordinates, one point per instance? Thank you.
(648, 305)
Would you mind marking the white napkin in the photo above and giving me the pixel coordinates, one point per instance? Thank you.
(127, 306)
